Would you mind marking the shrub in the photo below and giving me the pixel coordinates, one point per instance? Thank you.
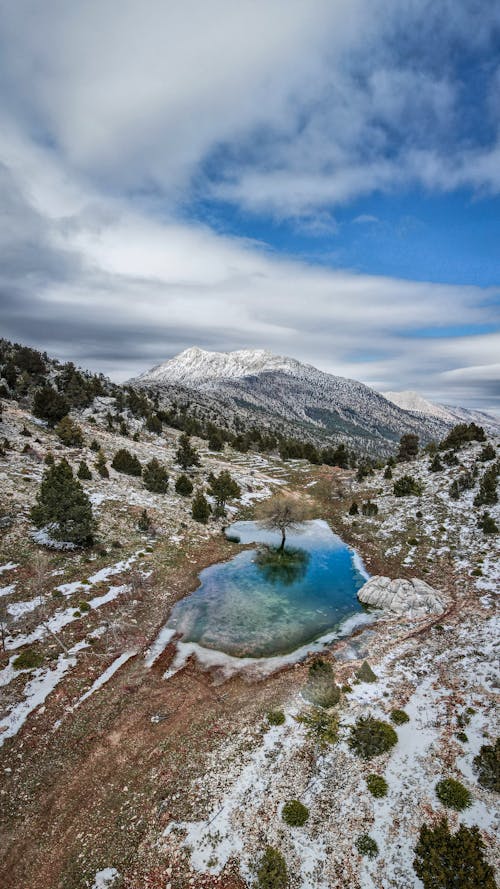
(407, 486)
(69, 433)
(321, 726)
(83, 606)
(155, 477)
(365, 673)
(388, 472)
(28, 660)
(399, 717)
(100, 465)
(453, 794)
(294, 813)
(275, 717)
(184, 486)
(487, 766)
(83, 471)
(487, 494)
(200, 510)
(62, 504)
(369, 508)
(320, 688)
(144, 522)
(452, 861)
(487, 453)
(272, 871)
(94, 445)
(125, 462)
(487, 524)
(49, 459)
(461, 736)
(187, 455)
(435, 465)
(49, 405)
(354, 508)
(377, 785)
(366, 845)
(371, 737)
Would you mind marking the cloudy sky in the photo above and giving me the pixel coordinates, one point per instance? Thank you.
(320, 178)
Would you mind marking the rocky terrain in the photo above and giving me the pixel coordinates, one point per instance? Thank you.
(119, 771)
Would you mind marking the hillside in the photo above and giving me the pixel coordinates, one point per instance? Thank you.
(412, 401)
(279, 390)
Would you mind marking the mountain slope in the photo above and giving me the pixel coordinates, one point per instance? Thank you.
(276, 388)
(412, 401)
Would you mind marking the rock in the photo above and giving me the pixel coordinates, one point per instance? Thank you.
(412, 598)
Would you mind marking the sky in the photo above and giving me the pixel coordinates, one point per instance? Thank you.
(320, 178)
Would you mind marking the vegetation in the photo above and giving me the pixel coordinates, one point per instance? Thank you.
(366, 845)
(371, 737)
(320, 688)
(377, 785)
(487, 494)
(435, 465)
(184, 486)
(407, 486)
(487, 766)
(28, 660)
(272, 871)
(144, 522)
(69, 433)
(354, 508)
(125, 462)
(452, 861)
(487, 524)
(84, 472)
(399, 717)
(282, 513)
(487, 453)
(186, 455)
(222, 488)
(408, 447)
(50, 405)
(275, 717)
(294, 813)
(365, 673)
(200, 510)
(322, 726)
(100, 465)
(452, 794)
(369, 508)
(461, 435)
(63, 506)
(155, 477)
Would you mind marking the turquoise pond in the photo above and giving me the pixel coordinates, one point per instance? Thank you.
(263, 603)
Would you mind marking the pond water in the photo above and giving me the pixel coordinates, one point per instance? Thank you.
(265, 603)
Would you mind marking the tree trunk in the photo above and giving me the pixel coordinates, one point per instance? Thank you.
(283, 538)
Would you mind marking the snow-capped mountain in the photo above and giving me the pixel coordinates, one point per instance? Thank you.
(271, 389)
(412, 401)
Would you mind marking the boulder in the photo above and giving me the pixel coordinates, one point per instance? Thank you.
(410, 598)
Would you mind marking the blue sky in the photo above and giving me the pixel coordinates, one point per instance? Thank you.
(320, 178)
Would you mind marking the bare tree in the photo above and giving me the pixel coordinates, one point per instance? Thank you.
(282, 513)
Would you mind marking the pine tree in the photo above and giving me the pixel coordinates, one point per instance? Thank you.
(184, 486)
(69, 433)
(407, 486)
(223, 487)
(201, 508)
(354, 508)
(388, 472)
(100, 465)
(63, 505)
(187, 455)
(435, 465)
(272, 872)
(144, 522)
(49, 405)
(408, 447)
(487, 494)
(125, 462)
(155, 477)
(452, 861)
(154, 424)
(83, 471)
(487, 524)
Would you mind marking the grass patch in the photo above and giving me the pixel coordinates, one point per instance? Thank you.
(275, 717)
(28, 660)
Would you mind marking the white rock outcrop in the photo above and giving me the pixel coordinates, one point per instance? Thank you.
(409, 598)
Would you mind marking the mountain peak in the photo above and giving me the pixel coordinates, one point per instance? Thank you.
(195, 365)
